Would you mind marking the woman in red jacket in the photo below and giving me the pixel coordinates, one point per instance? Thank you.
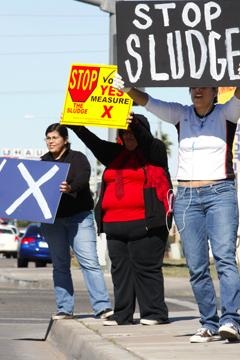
(132, 210)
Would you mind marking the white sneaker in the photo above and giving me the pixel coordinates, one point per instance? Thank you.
(106, 313)
(110, 323)
(62, 315)
(204, 335)
(153, 322)
(229, 332)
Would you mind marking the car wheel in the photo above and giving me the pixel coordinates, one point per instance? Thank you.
(40, 264)
(22, 262)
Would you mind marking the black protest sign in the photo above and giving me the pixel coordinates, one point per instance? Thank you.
(178, 43)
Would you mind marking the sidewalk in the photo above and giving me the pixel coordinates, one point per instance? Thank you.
(86, 338)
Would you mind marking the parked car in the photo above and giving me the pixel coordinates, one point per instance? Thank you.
(8, 241)
(15, 229)
(33, 247)
(21, 231)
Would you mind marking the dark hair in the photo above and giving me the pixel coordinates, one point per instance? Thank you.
(61, 129)
(141, 119)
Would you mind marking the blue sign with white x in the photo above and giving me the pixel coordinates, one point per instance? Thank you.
(29, 189)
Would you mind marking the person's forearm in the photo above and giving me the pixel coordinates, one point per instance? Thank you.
(138, 96)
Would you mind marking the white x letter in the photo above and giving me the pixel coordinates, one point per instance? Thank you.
(2, 164)
(34, 189)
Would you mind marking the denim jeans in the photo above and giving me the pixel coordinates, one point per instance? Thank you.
(209, 214)
(79, 233)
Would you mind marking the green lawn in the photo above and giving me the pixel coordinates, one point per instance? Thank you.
(178, 268)
(173, 268)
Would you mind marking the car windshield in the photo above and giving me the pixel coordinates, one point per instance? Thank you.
(6, 231)
(33, 231)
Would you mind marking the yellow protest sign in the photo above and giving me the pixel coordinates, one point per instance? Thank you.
(91, 99)
(225, 93)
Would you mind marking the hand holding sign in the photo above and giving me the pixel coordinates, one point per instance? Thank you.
(118, 83)
(65, 187)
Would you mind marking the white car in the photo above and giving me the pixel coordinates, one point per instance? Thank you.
(8, 241)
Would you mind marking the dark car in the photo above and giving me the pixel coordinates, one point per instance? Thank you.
(33, 247)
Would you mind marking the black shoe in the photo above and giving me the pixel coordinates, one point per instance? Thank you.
(105, 313)
(62, 315)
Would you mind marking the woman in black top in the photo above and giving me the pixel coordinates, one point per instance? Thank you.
(74, 228)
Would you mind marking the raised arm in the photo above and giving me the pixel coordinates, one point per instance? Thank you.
(141, 97)
(138, 96)
(103, 150)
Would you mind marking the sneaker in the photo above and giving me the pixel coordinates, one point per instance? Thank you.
(204, 335)
(111, 321)
(62, 315)
(153, 322)
(229, 332)
(105, 313)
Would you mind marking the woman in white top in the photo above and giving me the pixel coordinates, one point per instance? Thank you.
(205, 207)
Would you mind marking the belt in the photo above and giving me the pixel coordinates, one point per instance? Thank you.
(199, 183)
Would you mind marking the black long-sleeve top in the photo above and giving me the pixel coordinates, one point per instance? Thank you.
(154, 150)
(80, 198)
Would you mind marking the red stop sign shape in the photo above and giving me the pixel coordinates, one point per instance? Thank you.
(83, 81)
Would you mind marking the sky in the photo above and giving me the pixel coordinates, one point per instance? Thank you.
(39, 41)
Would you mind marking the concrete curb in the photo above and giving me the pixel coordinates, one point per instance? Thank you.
(42, 278)
(21, 282)
(86, 338)
(76, 341)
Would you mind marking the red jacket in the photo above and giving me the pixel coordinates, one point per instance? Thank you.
(155, 165)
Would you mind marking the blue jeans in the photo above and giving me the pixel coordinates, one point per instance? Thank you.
(210, 213)
(79, 233)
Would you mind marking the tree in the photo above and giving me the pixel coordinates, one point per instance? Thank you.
(164, 137)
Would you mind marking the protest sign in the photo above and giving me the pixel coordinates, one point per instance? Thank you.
(225, 94)
(178, 43)
(91, 99)
(29, 189)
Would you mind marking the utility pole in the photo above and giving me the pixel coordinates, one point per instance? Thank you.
(108, 6)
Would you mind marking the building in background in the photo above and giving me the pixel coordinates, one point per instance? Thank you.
(30, 154)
